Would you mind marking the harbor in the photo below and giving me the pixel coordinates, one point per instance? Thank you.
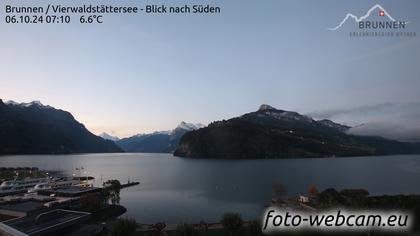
(42, 203)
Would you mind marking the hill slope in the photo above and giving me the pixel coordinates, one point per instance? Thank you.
(157, 142)
(32, 128)
(272, 133)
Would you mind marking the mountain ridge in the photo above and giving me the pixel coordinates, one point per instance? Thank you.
(158, 141)
(273, 133)
(107, 136)
(34, 128)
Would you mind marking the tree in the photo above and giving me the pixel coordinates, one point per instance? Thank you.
(279, 189)
(354, 193)
(111, 191)
(313, 191)
(186, 230)
(204, 226)
(255, 228)
(90, 202)
(124, 227)
(232, 221)
(330, 198)
(158, 227)
(357, 198)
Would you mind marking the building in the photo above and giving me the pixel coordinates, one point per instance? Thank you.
(21, 208)
(303, 199)
(43, 213)
(69, 191)
(42, 223)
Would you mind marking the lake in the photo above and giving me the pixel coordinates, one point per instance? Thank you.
(177, 190)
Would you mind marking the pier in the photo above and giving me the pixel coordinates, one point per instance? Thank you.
(129, 184)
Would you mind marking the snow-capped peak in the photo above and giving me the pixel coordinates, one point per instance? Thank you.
(162, 132)
(183, 127)
(334, 125)
(267, 110)
(27, 104)
(265, 107)
(33, 103)
(10, 102)
(189, 126)
(109, 137)
(166, 132)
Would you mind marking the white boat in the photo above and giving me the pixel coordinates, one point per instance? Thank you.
(38, 187)
(10, 187)
(54, 183)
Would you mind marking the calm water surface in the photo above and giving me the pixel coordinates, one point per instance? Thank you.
(176, 189)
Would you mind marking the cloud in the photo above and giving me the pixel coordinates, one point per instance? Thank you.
(386, 50)
(389, 130)
(328, 114)
(398, 121)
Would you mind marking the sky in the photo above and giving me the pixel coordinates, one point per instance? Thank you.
(142, 73)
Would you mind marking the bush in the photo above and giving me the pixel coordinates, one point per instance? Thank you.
(255, 228)
(111, 191)
(330, 198)
(313, 191)
(112, 184)
(185, 230)
(90, 203)
(232, 221)
(124, 227)
(352, 193)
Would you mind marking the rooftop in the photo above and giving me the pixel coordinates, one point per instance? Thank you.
(44, 222)
(70, 191)
(23, 206)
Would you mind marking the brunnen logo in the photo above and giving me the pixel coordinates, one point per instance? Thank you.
(387, 26)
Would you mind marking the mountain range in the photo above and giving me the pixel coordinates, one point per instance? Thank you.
(107, 136)
(33, 128)
(157, 142)
(273, 133)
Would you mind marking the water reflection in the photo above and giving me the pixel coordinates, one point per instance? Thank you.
(176, 189)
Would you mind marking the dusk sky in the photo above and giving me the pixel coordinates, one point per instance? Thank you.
(141, 73)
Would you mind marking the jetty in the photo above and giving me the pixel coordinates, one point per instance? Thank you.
(129, 184)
